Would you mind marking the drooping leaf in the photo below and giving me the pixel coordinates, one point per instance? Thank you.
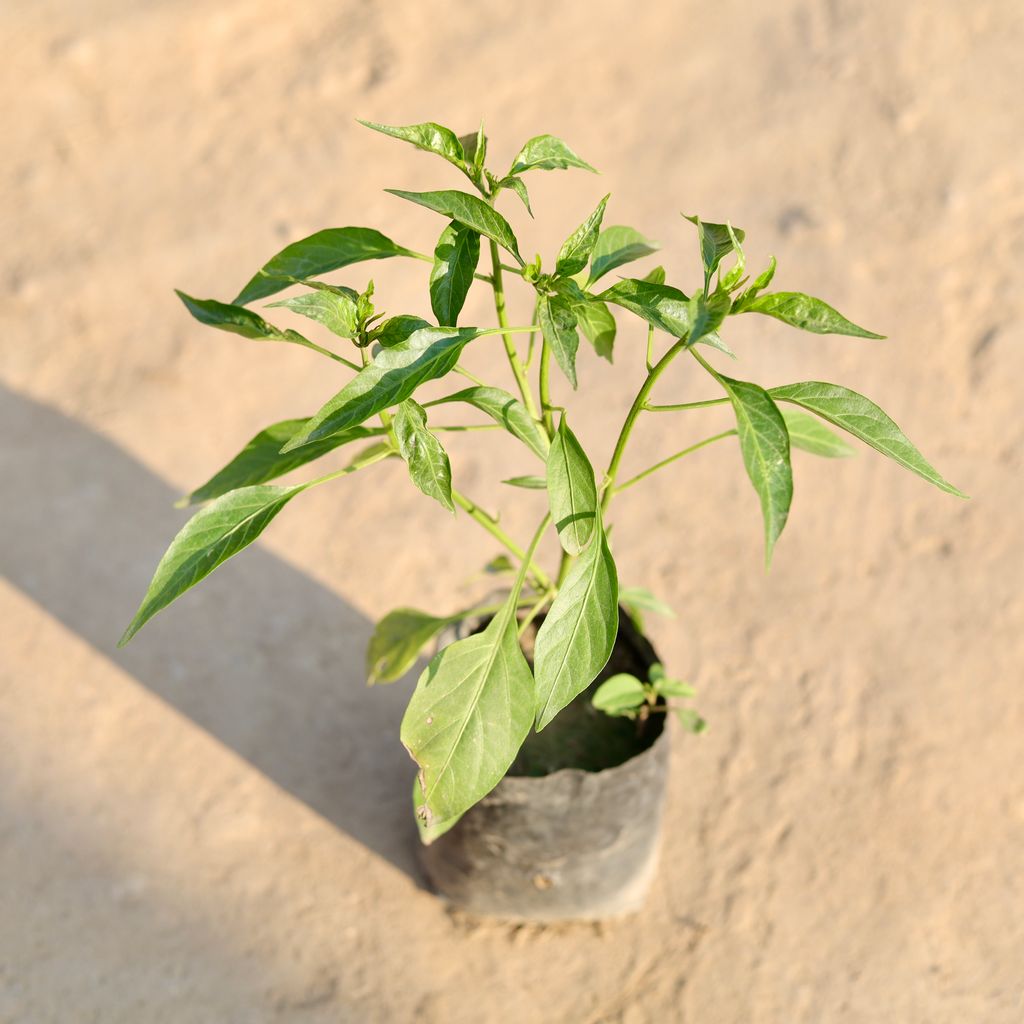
(576, 249)
(471, 711)
(428, 462)
(517, 185)
(455, 258)
(397, 641)
(507, 411)
(715, 242)
(572, 491)
(318, 254)
(558, 325)
(547, 153)
(215, 533)
(616, 246)
(468, 210)
(430, 137)
(620, 695)
(391, 378)
(859, 416)
(261, 459)
(764, 443)
(578, 633)
(333, 308)
(810, 434)
(531, 483)
(805, 312)
(598, 325)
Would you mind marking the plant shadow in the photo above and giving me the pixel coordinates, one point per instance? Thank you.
(261, 656)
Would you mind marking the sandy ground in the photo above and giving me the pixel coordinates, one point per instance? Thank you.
(212, 826)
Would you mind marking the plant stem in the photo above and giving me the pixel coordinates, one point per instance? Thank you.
(672, 458)
(545, 388)
(680, 406)
(490, 524)
(470, 376)
(461, 428)
(650, 347)
(533, 612)
(354, 466)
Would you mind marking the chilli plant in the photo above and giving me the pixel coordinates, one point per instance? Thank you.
(478, 698)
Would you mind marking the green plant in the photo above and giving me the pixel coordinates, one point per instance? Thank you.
(477, 700)
(625, 696)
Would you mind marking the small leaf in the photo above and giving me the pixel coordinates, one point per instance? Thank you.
(861, 417)
(397, 329)
(640, 598)
(620, 695)
(455, 258)
(765, 447)
(507, 411)
(318, 254)
(547, 153)
(810, 434)
(531, 483)
(428, 462)
(673, 688)
(397, 641)
(471, 711)
(656, 276)
(430, 137)
(468, 210)
(558, 325)
(261, 459)
(615, 247)
(760, 283)
(334, 309)
(805, 312)
(572, 491)
(499, 565)
(690, 720)
(517, 185)
(215, 533)
(576, 249)
(474, 145)
(715, 242)
(390, 379)
(598, 325)
(578, 633)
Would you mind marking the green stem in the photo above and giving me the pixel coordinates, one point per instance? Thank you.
(563, 568)
(470, 376)
(473, 426)
(517, 587)
(430, 259)
(545, 388)
(672, 458)
(353, 467)
(650, 348)
(679, 407)
(533, 612)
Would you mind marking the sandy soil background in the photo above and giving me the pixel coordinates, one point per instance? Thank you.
(213, 824)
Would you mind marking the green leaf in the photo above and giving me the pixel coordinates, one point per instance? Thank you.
(517, 185)
(430, 137)
(531, 483)
(661, 305)
(690, 720)
(215, 533)
(455, 258)
(397, 641)
(507, 411)
(620, 695)
(673, 688)
(558, 325)
(707, 314)
(764, 443)
(428, 462)
(578, 633)
(805, 312)
(547, 153)
(760, 283)
(572, 491)
(471, 711)
(436, 829)
(616, 246)
(318, 254)
(858, 416)
(474, 145)
(715, 242)
(394, 374)
(634, 598)
(810, 434)
(656, 276)
(261, 459)
(576, 249)
(598, 325)
(335, 309)
(468, 210)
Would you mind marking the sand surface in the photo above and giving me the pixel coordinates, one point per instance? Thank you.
(213, 825)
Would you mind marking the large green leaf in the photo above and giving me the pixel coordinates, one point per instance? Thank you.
(397, 641)
(576, 637)
(455, 258)
(507, 411)
(805, 312)
(547, 153)
(764, 443)
(572, 491)
(319, 254)
(215, 533)
(861, 417)
(335, 308)
(661, 305)
(598, 324)
(472, 709)
(558, 325)
(394, 374)
(261, 459)
(468, 210)
(576, 249)
(715, 242)
(616, 246)
(810, 434)
(428, 462)
(430, 137)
